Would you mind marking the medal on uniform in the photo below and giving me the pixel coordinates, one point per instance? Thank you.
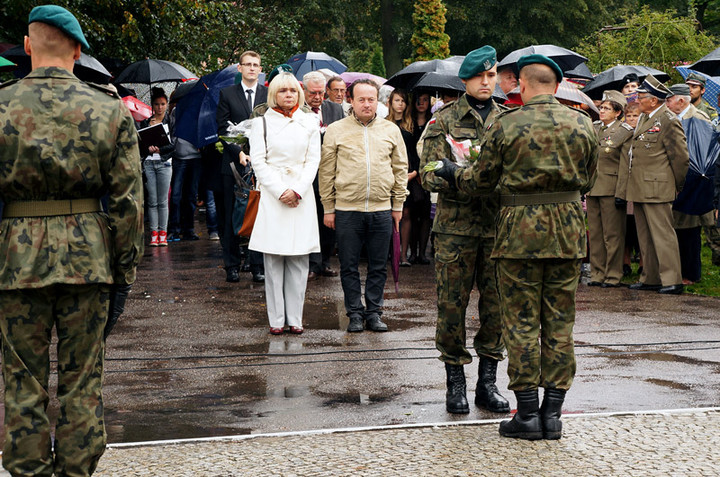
(607, 150)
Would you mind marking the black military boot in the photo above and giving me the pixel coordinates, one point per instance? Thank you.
(486, 392)
(550, 413)
(525, 424)
(455, 399)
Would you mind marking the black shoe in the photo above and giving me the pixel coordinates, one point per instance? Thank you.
(526, 423)
(173, 237)
(232, 275)
(594, 284)
(190, 236)
(422, 261)
(356, 324)
(455, 399)
(550, 413)
(626, 270)
(610, 285)
(373, 323)
(672, 290)
(258, 277)
(486, 392)
(245, 268)
(642, 286)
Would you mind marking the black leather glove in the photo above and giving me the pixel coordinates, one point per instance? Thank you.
(118, 295)
(447, 171)
(620, 203)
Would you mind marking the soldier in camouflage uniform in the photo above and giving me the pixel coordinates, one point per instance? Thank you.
(543, 156)
(464, 231)
(697, 82)
(65, 144)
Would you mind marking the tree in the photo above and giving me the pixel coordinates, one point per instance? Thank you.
(657, 39)
(429, 38)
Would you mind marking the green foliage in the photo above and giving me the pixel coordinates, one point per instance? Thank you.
(368, 59)
(657, 39)
(429, 38)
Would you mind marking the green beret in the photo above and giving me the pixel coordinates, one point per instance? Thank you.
(477, 61)
(277, 70)
(61, 19)
(543, 60)
(694, 78)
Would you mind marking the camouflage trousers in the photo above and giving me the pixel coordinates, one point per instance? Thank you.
(461, 262)
(79, 313)
(537, 299)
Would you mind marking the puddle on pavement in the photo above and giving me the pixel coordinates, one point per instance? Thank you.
(669, 384)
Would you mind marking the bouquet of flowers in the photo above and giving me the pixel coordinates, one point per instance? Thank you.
(463, 152)
(236, 134)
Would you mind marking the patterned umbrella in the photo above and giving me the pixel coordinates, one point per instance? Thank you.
(712, 85)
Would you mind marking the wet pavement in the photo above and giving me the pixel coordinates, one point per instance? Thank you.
(192, 358)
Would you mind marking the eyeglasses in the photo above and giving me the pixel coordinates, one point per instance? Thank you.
(251, 65)
(605, 108)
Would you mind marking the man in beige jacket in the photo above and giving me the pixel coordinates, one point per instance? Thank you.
(363, 178)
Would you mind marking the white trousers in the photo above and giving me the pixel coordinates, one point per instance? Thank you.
(285, 284)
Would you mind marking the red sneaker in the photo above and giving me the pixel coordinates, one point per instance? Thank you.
(154, 239)
(163, 239)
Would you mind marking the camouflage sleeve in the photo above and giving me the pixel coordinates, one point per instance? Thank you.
(591, 159)
(483, 175)
(434, 147)
(125, 202)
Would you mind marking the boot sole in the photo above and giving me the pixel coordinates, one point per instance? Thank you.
(458, 411)
(529, 436)
(552, 436)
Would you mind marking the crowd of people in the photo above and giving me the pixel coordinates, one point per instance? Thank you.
(336, 169)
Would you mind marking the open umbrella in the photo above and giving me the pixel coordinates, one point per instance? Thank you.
(151, 71)
(708, 64)
(195, 111)
(567, 93)
(566, 59)
(581, 71)
(696, 197)
(137, 108)
(612, 78)
(86, 67)
(407, 77)
(712, 84)
(6, 65)
(351, 76)
(314, 60)
(395, 257)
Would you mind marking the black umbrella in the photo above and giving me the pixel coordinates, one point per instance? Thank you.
(580, 71)
(312, 61)
(154, 71)
(407, 77)
(442, 83)
(566, 59)
(86, 68)
(708, 64)
(696, 197)
(612, 78)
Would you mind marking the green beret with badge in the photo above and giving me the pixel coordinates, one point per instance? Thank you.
(542, 60)
(284, 68)
(61, 19)
(477, 61)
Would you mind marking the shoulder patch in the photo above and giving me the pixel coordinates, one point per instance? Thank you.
(627, 126)
(8, 83)
(107, 89)
(670, 114)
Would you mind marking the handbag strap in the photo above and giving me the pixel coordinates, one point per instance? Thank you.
(239, 180)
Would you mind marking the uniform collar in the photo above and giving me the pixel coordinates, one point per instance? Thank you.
(543, 98)
(464, 108)
(51, 72)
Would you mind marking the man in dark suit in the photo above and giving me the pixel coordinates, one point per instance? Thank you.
(235, 105)
(328, 112)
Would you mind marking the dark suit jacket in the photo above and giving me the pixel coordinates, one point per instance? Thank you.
(331, 112)
(233, 106)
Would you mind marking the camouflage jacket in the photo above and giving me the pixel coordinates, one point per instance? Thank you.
(541, 147)
(457, 212)
(64, 139)
(705, 107)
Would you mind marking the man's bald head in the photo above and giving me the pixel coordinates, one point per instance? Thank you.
(49, 46)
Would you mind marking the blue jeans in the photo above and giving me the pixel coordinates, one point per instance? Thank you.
(158, 174)
(185, 181)
(353, 230)
(211, 219)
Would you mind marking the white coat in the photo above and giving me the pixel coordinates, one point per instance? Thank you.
(291, 162)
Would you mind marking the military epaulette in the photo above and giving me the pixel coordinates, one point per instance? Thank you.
(105, 88)
(670, 114)
(502, 107)
(8, 83)
(627, 126)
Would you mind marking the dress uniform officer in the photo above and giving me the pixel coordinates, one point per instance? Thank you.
(65, 144)
(464, 230)
(606, 219)
(651, 176)
(543, 156)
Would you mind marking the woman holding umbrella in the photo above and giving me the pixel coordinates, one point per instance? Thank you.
(285, 154)
(606, 215)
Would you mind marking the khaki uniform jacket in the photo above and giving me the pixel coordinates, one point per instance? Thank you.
(654, 170)
(363, 168)
(64, 139)
(614, 143)
(458, 213)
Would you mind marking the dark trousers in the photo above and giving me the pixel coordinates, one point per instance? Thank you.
(321, 260)
(224, 202)
(183, 195)
(374, 231)
(689, 243)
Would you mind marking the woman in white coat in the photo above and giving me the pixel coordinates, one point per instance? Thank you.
(285, 154)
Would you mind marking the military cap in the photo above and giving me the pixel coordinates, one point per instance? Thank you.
(543, 60)
(277, 70)
(680, 89)
(631, 78)
(615, 97)
(477, 61)
(694, 78)
(654, 87)
(61, 19)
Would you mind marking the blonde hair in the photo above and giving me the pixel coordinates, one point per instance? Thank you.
(406, 122)
(284, 80)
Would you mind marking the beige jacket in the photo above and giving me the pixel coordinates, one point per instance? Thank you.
(363, 168)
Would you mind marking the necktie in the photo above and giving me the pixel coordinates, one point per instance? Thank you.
(315, 110)
(249, 97)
